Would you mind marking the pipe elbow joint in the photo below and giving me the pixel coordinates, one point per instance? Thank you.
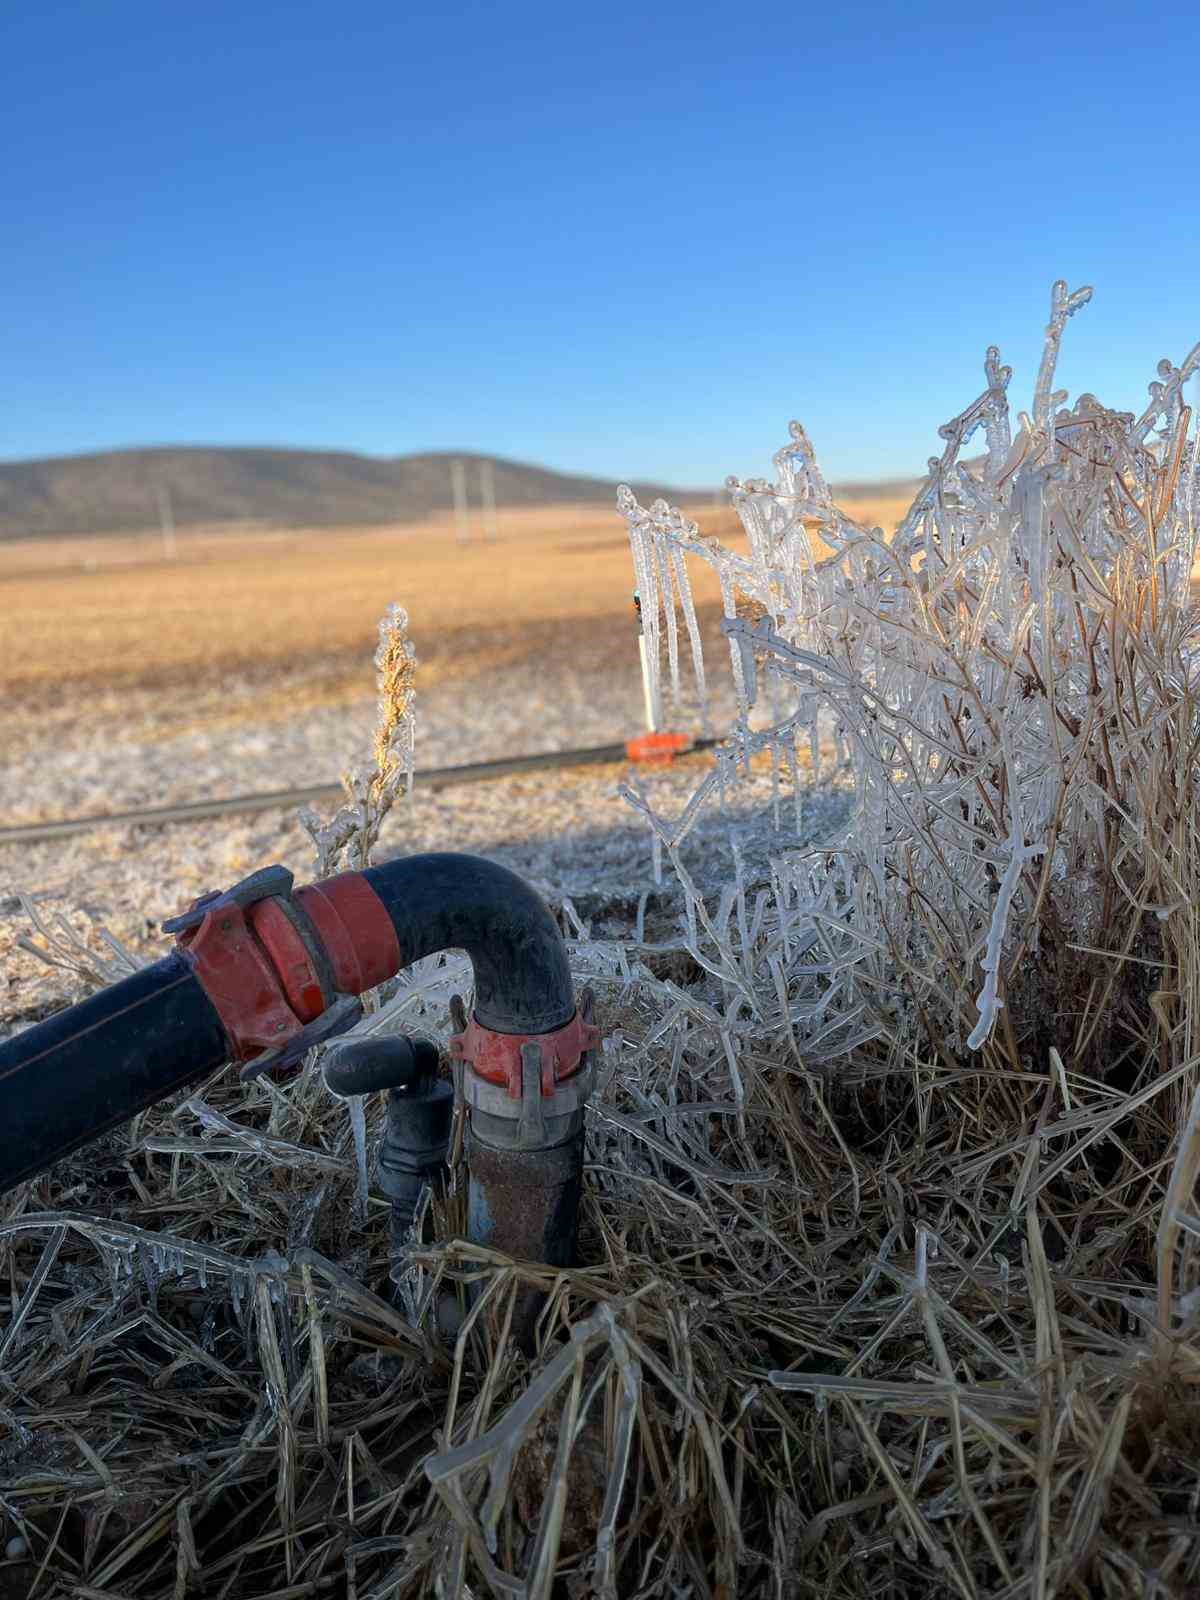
(447, 901)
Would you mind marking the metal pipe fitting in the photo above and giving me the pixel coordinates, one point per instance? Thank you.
(525, 1142)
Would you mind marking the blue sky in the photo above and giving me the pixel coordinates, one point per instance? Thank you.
(624, 239)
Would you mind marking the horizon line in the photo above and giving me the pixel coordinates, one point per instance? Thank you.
(883, 480)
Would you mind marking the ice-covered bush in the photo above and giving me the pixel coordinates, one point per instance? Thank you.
(1008, 681)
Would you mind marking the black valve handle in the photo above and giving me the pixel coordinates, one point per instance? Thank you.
(362, 1066)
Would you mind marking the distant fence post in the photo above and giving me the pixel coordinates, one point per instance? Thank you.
(166, 521)
(458, 484)
(487, 495)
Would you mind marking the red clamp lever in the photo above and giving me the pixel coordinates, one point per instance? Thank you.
(658, 749)
(265, 970)
(496, 1057)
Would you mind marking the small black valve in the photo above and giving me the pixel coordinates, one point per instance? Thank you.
(420, 1113)
(361, 1066)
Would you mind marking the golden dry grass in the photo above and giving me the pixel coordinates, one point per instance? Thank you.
(266, 596)
(113, 611)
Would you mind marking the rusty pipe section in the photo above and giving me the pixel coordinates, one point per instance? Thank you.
(526, 1098)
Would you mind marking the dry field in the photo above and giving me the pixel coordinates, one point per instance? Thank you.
(90, 619)
(244, 665)
(115, 612)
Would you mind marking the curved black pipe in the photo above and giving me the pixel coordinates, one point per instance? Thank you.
(96, 1064)
(93, 1066)
(444, 901)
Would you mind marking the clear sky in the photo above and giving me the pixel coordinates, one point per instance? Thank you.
(628, 239)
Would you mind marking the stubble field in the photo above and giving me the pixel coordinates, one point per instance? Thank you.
(244, 665)
(107, 615)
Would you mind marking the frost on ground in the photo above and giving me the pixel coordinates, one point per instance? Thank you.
(569, 834)
(889, 1280)
(248, 730)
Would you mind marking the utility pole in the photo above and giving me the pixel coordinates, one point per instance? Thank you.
(166, 520)
(487, 496)
(458, 484)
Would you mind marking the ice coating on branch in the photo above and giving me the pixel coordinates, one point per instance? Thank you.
(988, 1000)
(1000, 679)
(349, 837)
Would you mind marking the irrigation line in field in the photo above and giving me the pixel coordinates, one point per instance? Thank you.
(282, 799)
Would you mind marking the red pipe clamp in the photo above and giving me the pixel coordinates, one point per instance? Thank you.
(283, 970)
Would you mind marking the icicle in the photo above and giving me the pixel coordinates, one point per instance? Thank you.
(739, 1089)
(274, 1268)
(358, 1125)
(687, 605)
(639, 932)
(147, 1261)
(740, 900)
(662, 559)
(1003, 1263)
(304, 1218)
(735, 653)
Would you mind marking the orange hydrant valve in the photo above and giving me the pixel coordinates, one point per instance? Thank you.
(658, 749)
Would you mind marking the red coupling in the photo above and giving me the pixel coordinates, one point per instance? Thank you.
(496, 1057)
(354, 926)
(239, 979)
(297, 967)
(658, 749)
(282, 969)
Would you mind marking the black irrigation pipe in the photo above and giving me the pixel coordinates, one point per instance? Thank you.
(281, 799)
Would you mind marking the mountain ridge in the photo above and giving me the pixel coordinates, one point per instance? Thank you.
(125, 490)
(122, 490)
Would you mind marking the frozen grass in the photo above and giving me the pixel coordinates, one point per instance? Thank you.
(1009, 681)
(874, 1313)
(348, 839)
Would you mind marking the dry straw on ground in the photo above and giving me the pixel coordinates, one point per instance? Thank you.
(915, 1319)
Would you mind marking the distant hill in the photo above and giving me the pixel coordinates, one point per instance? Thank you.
(119, 490)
